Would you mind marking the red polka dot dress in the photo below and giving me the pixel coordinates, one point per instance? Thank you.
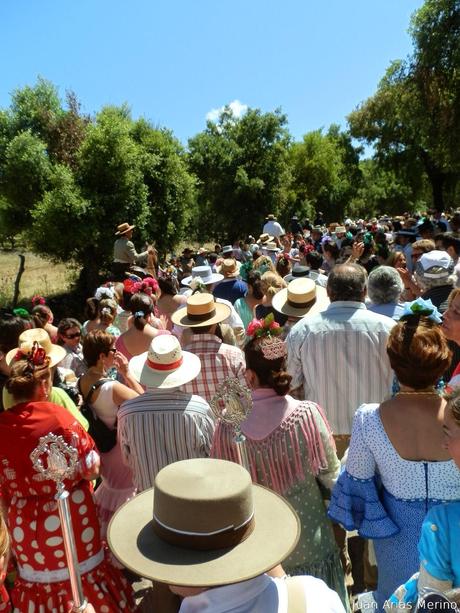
(33, 519)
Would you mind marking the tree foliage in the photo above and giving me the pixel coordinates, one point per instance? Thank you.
(413, 119)
(242, 171)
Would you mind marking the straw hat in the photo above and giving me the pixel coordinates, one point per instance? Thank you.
(340, 230)
(165, 365)
(229, 268)
(56, 353)
(265, 238)
(204, 274)
(227, 249)
(123, 228)
(300, 297)
(203, 524)
(201, 310)
(270, 246)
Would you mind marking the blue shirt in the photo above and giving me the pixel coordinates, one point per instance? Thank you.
(231, 290)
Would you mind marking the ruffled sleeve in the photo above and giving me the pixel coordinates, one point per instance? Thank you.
(355, 502)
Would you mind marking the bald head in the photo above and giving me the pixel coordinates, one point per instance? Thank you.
(347, 282)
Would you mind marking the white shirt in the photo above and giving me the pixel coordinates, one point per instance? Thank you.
(262, 595)
(340, 358)
(273, 228)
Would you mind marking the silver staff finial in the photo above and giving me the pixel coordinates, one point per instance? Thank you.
(54, 459)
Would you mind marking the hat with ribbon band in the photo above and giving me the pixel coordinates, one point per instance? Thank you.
(203, 524)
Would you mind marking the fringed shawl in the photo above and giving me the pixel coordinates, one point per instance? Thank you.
(282, 459)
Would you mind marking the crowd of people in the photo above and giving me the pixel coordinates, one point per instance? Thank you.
(337, 488)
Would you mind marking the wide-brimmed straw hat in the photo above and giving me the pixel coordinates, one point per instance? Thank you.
(203, 524)
(56, 353)
(301, 297)
(265, 238)
(165, 365)
(204, 274)
(229, 268)
(201, 310)
(123, 228)
(270, 246)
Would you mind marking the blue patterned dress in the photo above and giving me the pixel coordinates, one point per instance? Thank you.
(386, 498)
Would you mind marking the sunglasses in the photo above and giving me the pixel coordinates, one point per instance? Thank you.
(74, 335)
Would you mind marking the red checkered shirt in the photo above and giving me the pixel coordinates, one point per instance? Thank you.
(219, 362)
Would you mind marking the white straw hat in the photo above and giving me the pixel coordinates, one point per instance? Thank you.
(165, 365)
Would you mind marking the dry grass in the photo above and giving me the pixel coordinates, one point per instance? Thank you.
(40, 277)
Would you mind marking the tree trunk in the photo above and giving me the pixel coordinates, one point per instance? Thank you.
(436, 178)
(17, 283)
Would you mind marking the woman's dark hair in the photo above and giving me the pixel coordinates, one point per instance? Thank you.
(271, 373)
(418, 351)
(141, 306)
(11, 327)
(24, 379)
(92, 308)
(95, 343)
(256, 284)
(283, 266)
(332, 248)
(66, 324)
(40, 315)
(168, 285)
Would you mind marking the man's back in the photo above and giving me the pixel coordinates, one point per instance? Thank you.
(219, 362)
(339, 356)
(160, 427)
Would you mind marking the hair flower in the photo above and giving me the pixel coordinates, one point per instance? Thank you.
(37, 299)
(104, 291)
(147, 286)
(423, 308)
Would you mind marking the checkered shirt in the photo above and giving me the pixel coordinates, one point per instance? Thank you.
(219, 362)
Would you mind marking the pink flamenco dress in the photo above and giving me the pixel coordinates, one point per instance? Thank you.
(42, 582)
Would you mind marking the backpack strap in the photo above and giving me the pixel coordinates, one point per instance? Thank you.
(92, 389)
(296, 595)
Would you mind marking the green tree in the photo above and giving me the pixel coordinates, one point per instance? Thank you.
(24, 179)
(243, 174)
(413, 120)
(325, 171)
(170, 186)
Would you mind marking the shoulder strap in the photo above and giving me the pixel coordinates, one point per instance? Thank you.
(92, 389)
(296, 595)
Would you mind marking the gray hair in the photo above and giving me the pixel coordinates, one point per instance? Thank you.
(347, 282)
(385, 285)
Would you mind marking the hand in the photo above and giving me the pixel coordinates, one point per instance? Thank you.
(90, 466)
(357, 250)
(121, 363)
(405, 275)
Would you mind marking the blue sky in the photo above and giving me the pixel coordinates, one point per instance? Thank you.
(174, 61)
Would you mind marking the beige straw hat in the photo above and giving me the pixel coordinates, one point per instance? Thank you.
(203, 524)
(301, 297)
(201, 310)
(56, 353)
(123, 228)
(165, 365)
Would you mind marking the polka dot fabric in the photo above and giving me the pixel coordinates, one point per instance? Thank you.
(34, 524)
(386, 498)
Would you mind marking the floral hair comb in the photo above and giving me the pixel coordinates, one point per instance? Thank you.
(268, 331)
(36, 357)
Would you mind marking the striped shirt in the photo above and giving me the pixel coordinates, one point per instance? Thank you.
(339, 356)
(219, 362)
(160, 427)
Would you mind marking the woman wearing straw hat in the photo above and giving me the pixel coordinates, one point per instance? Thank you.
(210, 534)
(43, 582)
